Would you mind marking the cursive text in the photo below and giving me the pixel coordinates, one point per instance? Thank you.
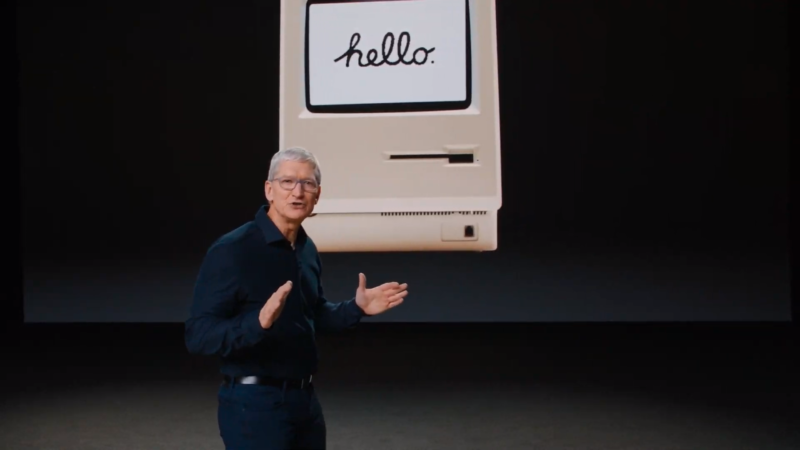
(418, 57)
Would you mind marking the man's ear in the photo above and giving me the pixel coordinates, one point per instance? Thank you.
(268, 191)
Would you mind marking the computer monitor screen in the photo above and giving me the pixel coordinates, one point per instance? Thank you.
(387, 56)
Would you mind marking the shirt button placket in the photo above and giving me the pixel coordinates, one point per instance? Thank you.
(299, 266)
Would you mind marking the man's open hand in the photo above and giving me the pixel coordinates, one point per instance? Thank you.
(381, 298)
(272, 309)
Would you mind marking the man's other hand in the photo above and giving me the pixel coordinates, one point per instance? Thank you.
(381, 298)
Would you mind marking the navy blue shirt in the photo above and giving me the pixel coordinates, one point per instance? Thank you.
(240, 271)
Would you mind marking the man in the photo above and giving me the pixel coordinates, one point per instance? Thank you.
(258, 301)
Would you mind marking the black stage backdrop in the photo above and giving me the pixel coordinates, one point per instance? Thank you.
(645, 162)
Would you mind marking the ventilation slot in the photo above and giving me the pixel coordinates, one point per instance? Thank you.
(434, 213)
(452, 158)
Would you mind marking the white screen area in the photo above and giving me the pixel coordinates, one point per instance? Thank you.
(439, 25)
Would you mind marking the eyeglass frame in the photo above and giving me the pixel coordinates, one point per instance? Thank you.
(295, 181)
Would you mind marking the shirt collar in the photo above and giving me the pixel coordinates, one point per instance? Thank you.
(272, 233)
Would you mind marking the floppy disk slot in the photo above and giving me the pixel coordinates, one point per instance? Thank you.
(452, 158)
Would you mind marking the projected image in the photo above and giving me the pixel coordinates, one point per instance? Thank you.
(387, 56)
(532, 205)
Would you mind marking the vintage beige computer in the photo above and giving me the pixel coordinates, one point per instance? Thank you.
(399, 101)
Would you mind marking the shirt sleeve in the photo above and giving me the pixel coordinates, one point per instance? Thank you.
(334, 317)
(213, 327)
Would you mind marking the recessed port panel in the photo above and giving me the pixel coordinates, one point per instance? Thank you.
(460, 231)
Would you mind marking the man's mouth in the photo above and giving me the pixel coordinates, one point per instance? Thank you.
(298, 204)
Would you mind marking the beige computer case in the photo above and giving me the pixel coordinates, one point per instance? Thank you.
(370, 202)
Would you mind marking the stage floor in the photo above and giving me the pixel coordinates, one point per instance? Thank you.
(393, 386)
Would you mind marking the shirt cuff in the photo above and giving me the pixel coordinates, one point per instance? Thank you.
(252, 325)
(355, 310)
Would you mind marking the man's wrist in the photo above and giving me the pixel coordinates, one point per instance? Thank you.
(256, 325)
(358, 309)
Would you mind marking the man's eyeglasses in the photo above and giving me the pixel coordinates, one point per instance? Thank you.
(290, 183)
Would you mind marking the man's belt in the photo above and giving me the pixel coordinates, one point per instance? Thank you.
(285, 383)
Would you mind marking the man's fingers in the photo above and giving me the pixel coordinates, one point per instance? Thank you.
(393, 292)
(394, 286)
(282, 292)
(362, 281)
(394, 303)
(397, 297)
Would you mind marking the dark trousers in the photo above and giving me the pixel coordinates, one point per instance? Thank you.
(270, 418)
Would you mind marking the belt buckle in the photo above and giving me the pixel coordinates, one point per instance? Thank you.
(304, 383)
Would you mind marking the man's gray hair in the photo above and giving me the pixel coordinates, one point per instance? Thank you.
(294, 154)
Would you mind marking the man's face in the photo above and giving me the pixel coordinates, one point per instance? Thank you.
(294, 191)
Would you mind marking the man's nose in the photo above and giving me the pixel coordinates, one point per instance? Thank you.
(298, 190)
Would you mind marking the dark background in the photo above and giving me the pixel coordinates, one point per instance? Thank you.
(644, 144)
